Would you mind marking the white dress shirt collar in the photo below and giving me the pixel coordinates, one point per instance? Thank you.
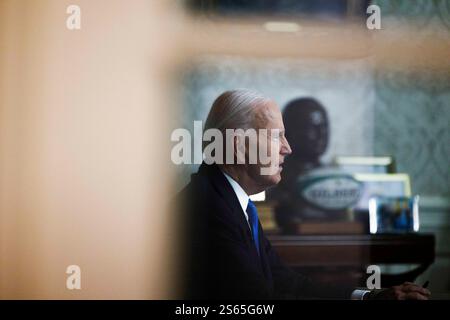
(240, 193)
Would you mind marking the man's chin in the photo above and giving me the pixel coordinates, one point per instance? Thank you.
(274, 179)
(270, 179)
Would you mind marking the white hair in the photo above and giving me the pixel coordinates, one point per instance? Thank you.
(234, 109)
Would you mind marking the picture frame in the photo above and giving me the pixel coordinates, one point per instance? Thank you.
(384, 164)
(385, 185)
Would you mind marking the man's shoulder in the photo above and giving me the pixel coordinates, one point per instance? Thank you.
(208, 194)
(199, 191)
(198, 187)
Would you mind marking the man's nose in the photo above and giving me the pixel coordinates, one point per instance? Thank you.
(285, 147)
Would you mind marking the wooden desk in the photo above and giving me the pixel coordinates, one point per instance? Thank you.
(353, 253)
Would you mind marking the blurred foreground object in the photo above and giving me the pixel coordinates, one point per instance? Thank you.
(83, 143)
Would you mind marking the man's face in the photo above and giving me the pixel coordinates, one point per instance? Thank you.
(268, 116)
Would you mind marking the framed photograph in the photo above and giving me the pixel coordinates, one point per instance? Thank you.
(366, 164)
(383, 185)
(394, 215)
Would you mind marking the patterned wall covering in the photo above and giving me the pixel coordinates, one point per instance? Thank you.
(412, 122)
(412, 109)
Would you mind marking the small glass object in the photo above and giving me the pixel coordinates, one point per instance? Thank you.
(394, 214)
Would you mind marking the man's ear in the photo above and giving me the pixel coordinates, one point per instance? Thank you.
(236, 141)
(238, 157)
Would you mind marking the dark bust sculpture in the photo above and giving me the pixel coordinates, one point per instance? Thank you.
(307, 130)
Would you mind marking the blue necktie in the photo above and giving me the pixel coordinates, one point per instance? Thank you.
(253, 219)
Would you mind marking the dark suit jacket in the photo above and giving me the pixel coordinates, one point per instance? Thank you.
(221, 257)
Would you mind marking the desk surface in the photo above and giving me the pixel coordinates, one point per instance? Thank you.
(354, 250)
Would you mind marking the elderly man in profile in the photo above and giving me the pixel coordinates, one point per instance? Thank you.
(228, 255)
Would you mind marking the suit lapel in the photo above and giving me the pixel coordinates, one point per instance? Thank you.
(264, 259)
(223, 187)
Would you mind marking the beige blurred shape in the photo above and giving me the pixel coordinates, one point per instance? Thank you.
(83, 150)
